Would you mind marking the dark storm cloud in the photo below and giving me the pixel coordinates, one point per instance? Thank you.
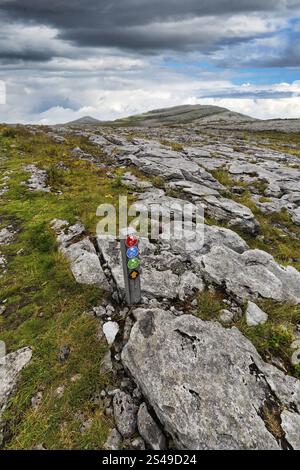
(127, 24)
(8, 56)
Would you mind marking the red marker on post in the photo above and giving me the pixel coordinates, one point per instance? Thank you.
(131, 268)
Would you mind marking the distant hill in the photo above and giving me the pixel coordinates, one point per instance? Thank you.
(177, 115)
(196, 114)
(209, 117)
(85, 121)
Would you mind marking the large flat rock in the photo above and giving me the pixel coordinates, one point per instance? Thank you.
(207, 385)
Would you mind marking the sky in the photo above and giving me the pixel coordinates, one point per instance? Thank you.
(64, 59)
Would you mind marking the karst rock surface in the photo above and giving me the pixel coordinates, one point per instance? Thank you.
(207, 385)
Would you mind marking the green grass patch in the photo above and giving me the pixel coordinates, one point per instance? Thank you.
(210, 304)
(45, 307)
(176, 146)
(272, 339)
(281, 237)
(278, 141)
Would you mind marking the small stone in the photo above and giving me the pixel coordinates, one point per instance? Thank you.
(194, 303)
(110, 330)
(112, 393)
(125, 412)
(114, 440)
(149, 430)
(76, 377)
(6, 236)
(138, 444)
(64, 353)
(60, 391)
(110, 309)
(39, 447)
(36, 400)
(2, 309)
(96, 399)
(237, 310)
(99, 311)
(254, 315)
(86, 425)
(226, 316)
(109, 411)
(137, 393)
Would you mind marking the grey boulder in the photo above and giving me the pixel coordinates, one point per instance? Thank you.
(234, 213)
(207, 384)
(251, 275)
(125, 413)
(80, 251)
(85, 264)
(254, 315)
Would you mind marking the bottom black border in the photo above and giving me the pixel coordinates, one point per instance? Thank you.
(139, 459)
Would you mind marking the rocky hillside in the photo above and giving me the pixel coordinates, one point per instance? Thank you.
(177, 115)
(210, 359)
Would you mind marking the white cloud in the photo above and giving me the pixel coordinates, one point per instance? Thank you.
(260, 108)
(113, 103)
(108, 85)
(2, 92)
(50, 79)
(211, 29)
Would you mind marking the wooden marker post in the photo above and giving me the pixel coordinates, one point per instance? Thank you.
(131, 268)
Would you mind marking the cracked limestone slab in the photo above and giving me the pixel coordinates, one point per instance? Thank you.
(235, 214)
(195, 189)
(207, 384)
(38, 179)
(251, 275)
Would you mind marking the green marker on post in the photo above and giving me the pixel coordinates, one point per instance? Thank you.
(131, 267)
